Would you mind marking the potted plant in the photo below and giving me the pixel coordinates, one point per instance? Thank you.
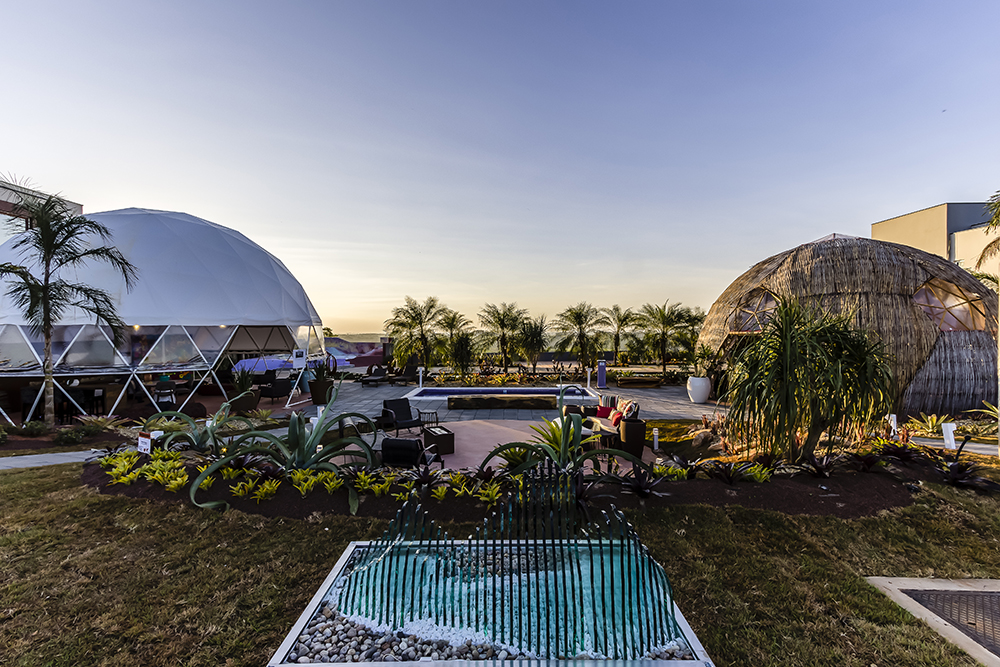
(699, 385)
(322, 382)
(246, 398)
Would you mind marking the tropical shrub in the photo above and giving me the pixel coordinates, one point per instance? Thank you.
(34, 429)
(108, 423)
(243, 380)
(927, 424)
(642, 482)
(69, 436)
(805, 375)
(185, 432)
(299, 449)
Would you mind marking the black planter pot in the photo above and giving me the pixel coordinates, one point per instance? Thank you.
(633, 436)
(246, 403)
(320, 391)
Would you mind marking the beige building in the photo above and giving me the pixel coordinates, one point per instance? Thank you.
(953, 231)
(11, 194)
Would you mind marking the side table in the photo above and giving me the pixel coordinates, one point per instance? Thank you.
(440, 438)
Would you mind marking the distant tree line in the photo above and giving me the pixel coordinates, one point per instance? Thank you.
(438, 335)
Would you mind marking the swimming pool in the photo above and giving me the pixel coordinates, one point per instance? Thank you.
(574, 392)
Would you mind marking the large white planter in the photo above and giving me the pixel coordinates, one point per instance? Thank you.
(699, 389)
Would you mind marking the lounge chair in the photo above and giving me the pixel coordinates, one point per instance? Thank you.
(397, 414)
(375, 377)
(407, 375)
(408, 453)
(280, 388)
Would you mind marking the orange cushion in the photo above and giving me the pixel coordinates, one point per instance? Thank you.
(616, 418)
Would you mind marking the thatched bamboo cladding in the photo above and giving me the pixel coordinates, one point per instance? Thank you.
(936, 372)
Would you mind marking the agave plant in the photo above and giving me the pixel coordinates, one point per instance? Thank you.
(300, 449)
(642, 483)
(965, 474)
(585, 492)
(689, 468)
(821, 466)
(927, 424)
(866, 461)
(990, 411)
(205, 439)
(560, 443)
(729, 472)
(901, 452)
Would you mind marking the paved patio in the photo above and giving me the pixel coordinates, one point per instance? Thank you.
(661, 403)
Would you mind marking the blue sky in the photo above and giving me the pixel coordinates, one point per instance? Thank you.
(539, 152)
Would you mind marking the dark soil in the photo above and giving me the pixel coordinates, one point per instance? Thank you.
(42, 443)
(845, 495)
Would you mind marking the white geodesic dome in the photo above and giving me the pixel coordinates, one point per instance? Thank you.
(203, 289)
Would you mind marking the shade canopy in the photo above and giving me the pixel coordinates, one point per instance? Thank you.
(191, 272)
(202, 289)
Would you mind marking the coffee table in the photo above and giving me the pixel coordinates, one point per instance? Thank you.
(441, 438)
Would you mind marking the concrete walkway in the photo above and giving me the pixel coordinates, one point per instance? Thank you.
(36, 460)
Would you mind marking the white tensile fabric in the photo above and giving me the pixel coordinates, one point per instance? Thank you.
(192, 272)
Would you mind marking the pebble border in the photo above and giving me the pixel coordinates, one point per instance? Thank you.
(332, 637)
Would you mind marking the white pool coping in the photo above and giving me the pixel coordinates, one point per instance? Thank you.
(701, 658)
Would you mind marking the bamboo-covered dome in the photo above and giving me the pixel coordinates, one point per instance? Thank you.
(938, 322)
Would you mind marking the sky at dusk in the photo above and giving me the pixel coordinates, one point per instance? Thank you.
(545, 153)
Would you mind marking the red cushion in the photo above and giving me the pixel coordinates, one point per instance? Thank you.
(604, 411)
(616, 417)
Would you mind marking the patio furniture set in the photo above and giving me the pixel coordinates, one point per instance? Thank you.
(618, 426)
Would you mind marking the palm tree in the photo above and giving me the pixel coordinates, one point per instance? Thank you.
(621, 321)
(580, 329)
(993, 247)
(413, 325)
(56, 241)
(502, 324)
(463, 353)
(662, 325)
(453, 323)
(531, 340)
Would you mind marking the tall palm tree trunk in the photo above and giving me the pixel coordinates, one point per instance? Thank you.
(504, 359)
(50, 402)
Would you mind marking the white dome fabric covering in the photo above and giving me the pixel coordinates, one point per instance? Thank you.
(192, 272)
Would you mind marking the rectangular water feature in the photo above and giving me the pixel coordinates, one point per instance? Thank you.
(554, 581)
(538, 581)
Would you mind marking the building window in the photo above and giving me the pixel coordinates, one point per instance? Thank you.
(949, 307)
(753, 312)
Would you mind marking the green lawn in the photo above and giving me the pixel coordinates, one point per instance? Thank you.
(87, 579)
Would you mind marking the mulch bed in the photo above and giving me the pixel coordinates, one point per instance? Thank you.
(846, 495)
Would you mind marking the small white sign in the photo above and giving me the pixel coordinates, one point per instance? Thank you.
(949, 435)
(892, 423)
(145, 442)
(298, 359)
